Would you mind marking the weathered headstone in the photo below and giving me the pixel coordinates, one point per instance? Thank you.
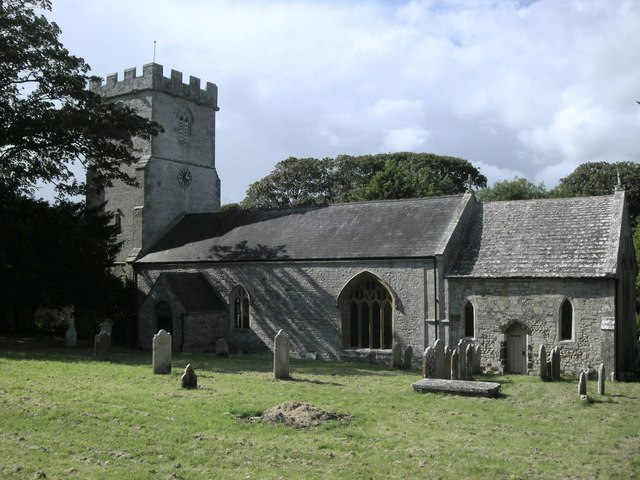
(555, 363)
(102, 346)
(447, 362)
(222, 348)
(542, 356)
(396, 355)
(408, 357)
(477, 357)
(161, 354)
(441, 368)
(71, 337)
(462, 360)
(455, 359)
(189, 378)
(281, 356)
(582, 385)
(470, 362)
(428, 363)
(601, 379)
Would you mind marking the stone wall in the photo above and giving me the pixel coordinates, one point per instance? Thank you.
(302, 299)
(535, 304)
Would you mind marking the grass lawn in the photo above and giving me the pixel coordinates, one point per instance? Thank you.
(68, 416)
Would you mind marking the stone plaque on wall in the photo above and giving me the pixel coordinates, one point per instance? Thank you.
(608, 323)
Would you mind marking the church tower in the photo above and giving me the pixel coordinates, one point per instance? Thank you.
(176, 170)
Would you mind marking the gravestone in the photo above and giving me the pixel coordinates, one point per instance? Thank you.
(408, 357)
(447, 362)
(102, 346)
(71, 337)
(106, 326)
(555, 363)
(189, 378)
(455, 371)
(161, 355)
(462, 360)
(441, 368)
(601, 379)
(542, 356)
(281, 356)
(222, 348)
(582, 385)
(477, 357)
(396, 355)
(428, 363)
(470, 362)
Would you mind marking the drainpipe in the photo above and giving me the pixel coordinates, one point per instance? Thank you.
(435, 293)
(182, 331)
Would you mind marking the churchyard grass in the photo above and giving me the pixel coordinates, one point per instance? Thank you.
(66, 415)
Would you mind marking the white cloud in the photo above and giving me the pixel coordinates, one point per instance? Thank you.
(528, 88)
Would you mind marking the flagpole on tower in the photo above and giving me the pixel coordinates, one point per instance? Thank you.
(154, 51)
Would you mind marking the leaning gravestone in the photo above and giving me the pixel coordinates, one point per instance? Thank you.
(428, 363)
(441, 368)
(582, 385)
(470, 362)
(222, 348)
(555, 364)
(189, 378)
(477, 359)
(408, 357)
(396, 355)
(455, 359)
(447, 362)
(161, 355)
(71, 337)
(601, 373)
(102, 346)
(542, 356)
(281, 356)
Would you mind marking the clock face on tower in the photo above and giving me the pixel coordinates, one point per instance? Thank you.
(184, 177)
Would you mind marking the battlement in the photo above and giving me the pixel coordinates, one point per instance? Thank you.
(152, 79)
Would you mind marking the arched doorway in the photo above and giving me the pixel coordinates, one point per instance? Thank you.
(516, 349)
(164, 317)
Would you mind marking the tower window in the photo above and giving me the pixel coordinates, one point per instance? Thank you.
(184, 125)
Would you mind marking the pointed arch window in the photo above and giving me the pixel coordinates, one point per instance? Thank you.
(184, 125)
(240, 308)
(566, 320)
(469, 320)
(367, 314)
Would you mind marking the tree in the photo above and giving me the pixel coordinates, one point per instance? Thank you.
(410, 175)
(601, 178)
(298, 182)
(48, 118)
(516, 189)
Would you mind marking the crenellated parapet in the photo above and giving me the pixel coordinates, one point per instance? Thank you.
(152, 78)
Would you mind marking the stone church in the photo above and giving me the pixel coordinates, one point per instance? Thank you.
(348, 280)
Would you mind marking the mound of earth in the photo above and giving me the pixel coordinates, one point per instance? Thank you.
(297, 414)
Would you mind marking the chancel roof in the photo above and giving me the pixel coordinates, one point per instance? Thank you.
(568, 237)
(380, 229)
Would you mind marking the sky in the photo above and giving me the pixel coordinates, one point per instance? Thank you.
(518, 88)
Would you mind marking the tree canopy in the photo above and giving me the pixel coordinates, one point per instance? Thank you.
(516, 189)
(296, 182)
(48, 118)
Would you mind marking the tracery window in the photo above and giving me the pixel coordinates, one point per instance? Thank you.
(367, 314)
(469, 320)
(240, 308)
(566, 320)
(184, 125)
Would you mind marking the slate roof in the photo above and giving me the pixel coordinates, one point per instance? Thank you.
(194, 292)
(379, 229)
(569, 237)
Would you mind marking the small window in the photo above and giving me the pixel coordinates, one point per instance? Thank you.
(118, 219)
(566, 320)
(184, 125)
(240, 307)
(469, 320)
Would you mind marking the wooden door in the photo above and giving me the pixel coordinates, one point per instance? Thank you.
(516, 349)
